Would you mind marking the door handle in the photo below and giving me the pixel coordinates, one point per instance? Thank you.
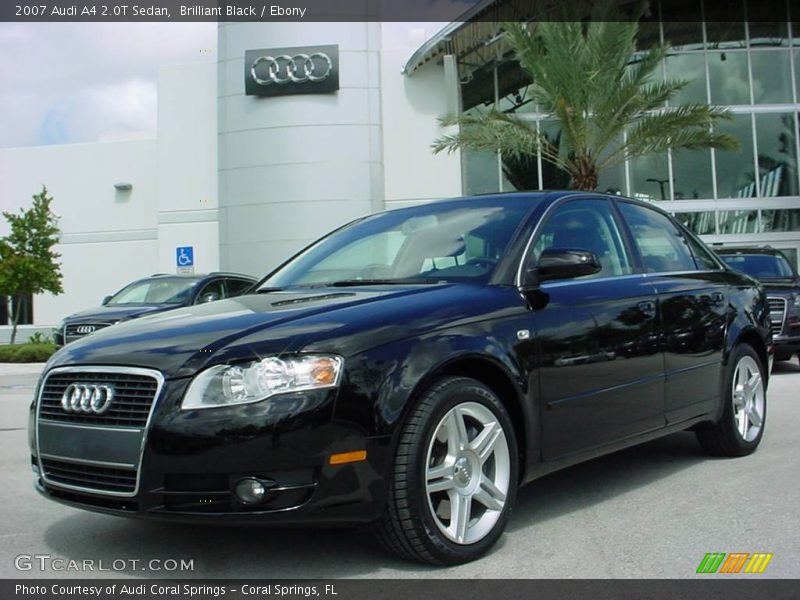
(647, 308)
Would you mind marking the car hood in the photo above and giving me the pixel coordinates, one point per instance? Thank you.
(338, 320)
(784, 284)
(105, 314)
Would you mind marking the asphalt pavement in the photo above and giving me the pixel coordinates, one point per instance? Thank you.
(652, 511)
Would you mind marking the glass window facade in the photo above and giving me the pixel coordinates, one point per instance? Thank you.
(743, 55)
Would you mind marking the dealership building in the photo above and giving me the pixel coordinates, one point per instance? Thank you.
(246, 168)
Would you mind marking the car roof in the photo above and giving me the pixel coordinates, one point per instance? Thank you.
(195, 276)
(747, 250)
(534, 197)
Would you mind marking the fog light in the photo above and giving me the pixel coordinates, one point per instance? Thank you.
(251, 490)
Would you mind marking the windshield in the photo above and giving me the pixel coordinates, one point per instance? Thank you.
(421, 245)
(167, 290)
(760, 266)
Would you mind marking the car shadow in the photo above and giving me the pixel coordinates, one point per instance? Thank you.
(593, 482)
(254, 552)
(785, 367)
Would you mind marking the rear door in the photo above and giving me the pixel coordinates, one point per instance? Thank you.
(692, 294)
(600, 368)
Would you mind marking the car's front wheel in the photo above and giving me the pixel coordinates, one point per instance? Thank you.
(744, 394)
(454, 476)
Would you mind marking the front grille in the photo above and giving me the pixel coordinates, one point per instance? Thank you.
(777, 314)
(130, 407)
(72, 333)
(106, 479)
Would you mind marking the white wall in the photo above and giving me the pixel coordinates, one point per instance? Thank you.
(411, 107)
(108, 237)
(293, 167)
(187, 165)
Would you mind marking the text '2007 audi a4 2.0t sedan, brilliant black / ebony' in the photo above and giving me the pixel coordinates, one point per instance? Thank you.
(410, 370)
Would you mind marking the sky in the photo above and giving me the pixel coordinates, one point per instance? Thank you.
(80, 82)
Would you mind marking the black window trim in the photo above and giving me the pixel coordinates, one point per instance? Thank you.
(694, 237)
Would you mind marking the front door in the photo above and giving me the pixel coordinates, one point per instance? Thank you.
(601, 370)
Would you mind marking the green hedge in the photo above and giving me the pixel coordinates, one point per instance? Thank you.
(26, 353)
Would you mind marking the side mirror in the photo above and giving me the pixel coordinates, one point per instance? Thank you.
(106, 300)
(209, 297)
(566, 263)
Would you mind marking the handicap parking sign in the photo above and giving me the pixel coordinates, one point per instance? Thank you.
(184, 259)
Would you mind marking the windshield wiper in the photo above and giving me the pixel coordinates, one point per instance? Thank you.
(351, 283)
(357, 282)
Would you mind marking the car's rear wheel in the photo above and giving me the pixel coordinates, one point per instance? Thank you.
(739, 430)
(454, 477)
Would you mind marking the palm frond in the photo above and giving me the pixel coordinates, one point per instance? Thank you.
(499, 132)
(609, 98)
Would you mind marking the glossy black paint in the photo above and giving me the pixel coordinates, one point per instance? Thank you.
(584, 366)
(106, 315)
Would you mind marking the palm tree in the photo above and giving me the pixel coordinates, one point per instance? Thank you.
(591, 79)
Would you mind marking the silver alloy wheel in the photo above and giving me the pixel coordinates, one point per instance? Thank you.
(748, 398)
(467, 474)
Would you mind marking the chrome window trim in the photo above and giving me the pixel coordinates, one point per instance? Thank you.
(546, 285)
(588, 196)
(157, 375)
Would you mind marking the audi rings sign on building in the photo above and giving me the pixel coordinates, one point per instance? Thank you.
(286, 71)
(87, 398)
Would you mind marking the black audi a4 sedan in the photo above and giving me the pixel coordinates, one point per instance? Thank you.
(410, 370)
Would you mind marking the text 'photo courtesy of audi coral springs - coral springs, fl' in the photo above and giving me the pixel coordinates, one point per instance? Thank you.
(409, 371)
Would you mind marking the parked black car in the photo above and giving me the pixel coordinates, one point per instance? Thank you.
(779, 277)
(151, 295)
(410, 370)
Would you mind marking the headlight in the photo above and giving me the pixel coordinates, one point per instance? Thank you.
(796, 301)
(225, 385)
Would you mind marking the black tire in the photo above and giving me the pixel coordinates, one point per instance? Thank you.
(409, 527)
(724, 438)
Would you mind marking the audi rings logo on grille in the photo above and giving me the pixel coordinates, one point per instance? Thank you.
(85, 329)
(283, 71)
(299, 68)
(87, 398)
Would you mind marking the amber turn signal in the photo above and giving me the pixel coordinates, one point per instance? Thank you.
(348, 457)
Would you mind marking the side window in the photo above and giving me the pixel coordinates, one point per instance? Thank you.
(702, 255)
(586, 224)
(215, 288)
(237, 287)
(660, 242)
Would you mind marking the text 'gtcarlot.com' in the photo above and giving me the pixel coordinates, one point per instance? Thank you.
(46, 562)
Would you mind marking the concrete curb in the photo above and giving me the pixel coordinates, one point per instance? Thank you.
(20, 368)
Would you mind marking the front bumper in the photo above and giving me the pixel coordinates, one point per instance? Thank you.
(786, 345)
(190, 462)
